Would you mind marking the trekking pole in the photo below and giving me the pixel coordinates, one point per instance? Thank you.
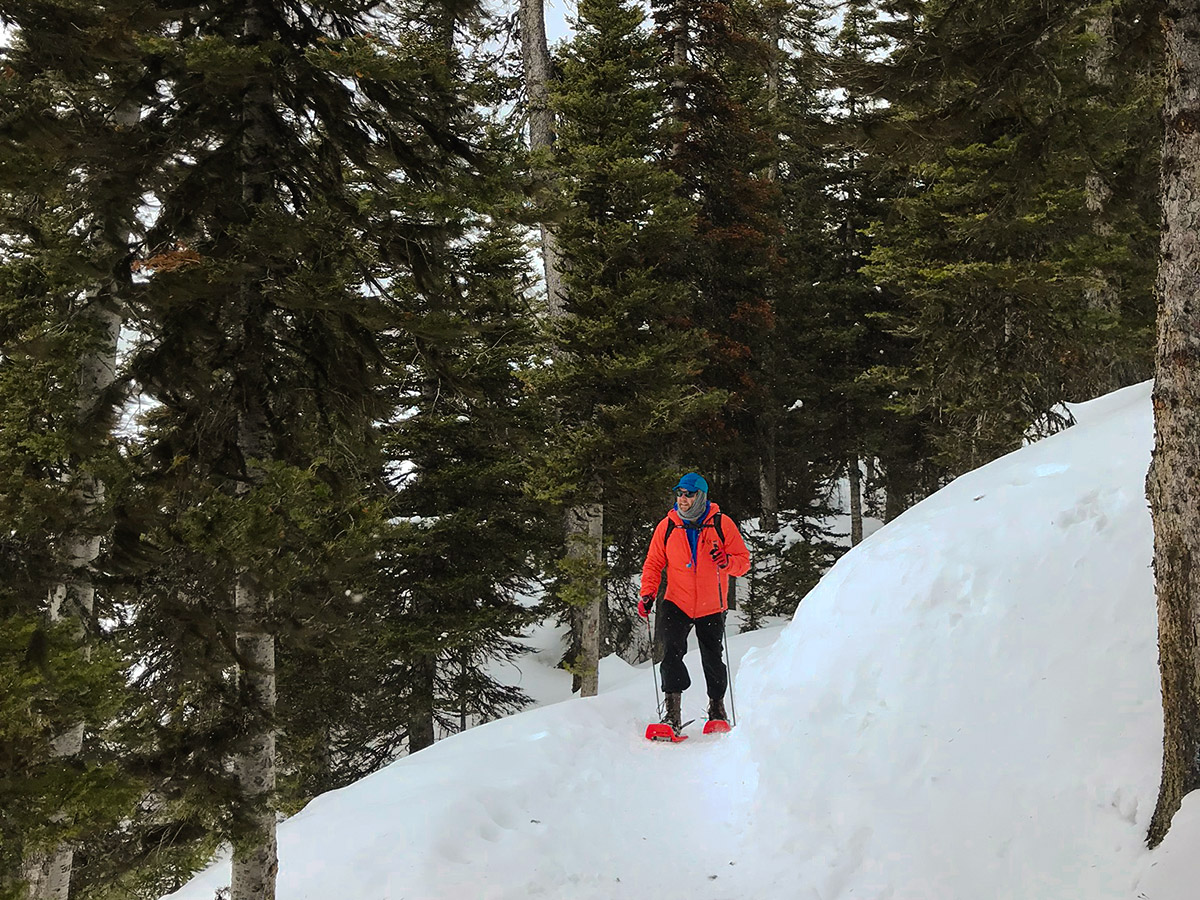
(729, 668)
(728, 664)
(654, 669)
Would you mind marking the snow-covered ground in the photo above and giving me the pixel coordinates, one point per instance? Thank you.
(965, 708)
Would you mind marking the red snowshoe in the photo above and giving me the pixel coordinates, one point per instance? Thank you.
(717, 722)
(662, 731)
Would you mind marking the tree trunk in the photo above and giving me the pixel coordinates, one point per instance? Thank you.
(584, 522)
(1101, 294)
(535, 55)
(1175, 468)
(254, 858)
(74, 597)
(898, 486)
(464, 708)
(585, 557)
(774, 14)
(677, 24)
(856, 512)
(420, 719)
(768, 481)
(254, 854)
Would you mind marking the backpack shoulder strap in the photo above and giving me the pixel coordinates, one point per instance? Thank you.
(716, 523)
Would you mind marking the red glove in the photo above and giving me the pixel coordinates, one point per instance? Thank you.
(719, 556)
(645, 604)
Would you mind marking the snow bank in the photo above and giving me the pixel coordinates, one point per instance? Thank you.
(965, 708)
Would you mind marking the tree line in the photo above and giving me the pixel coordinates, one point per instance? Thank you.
(341, 341)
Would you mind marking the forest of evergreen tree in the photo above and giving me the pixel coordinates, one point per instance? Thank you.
(292, 434)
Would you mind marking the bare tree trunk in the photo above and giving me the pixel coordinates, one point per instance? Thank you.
(535, 55)
(1171, 484)
(584, 522)
(254, 859)
(856, 511)
(74, 598)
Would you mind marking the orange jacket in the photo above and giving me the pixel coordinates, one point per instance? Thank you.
(696, 586)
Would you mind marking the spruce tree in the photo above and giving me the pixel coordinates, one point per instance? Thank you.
(994, 251)
(266, 287)
(464, 544)
(722, 149)
(622, 380)
(73, 152)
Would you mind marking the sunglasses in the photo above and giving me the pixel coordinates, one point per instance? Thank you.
(682, 493)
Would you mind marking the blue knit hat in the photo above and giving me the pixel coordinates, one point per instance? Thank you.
(692, 482)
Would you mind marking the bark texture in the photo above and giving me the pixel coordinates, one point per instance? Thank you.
(585, 546)
(74, 598)
(856, 508)
(254, 853)
(535, 56)
(254, 859)
(1173, 482)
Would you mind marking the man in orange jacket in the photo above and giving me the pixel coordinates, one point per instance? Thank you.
(699, 549)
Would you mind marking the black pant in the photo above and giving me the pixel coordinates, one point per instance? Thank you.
(673, 628)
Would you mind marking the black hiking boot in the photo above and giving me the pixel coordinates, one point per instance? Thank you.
(672, 716)
(716, 708)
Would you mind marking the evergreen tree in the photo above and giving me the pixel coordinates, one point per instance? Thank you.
(466, 538)
(268, 283)
(626, 355)
(792, 551)
(72, 157)
(583, 521)
(993, 252)
(722, 152)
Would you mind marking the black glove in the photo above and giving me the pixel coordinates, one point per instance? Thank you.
(645, 604)
(719, 556)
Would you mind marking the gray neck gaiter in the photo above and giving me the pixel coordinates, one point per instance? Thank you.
(699, 505)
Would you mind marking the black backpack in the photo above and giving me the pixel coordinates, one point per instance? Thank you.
(716, 523)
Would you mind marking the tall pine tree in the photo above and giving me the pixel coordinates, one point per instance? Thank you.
(622, 378)
(994, 251)
(267, 282)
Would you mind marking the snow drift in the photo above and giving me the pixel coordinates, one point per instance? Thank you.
(966, 707)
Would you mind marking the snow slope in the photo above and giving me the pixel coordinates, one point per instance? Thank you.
(965, 708)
